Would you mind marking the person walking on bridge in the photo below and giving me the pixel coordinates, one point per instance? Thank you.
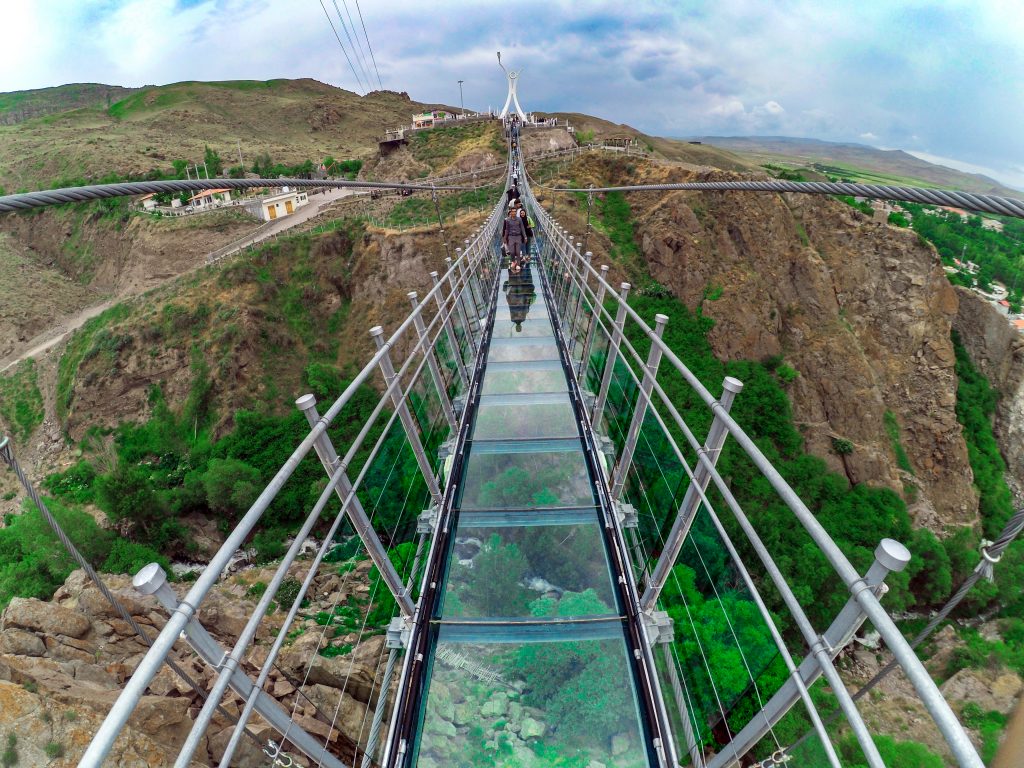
(513, 236)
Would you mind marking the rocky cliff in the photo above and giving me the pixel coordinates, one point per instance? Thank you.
(63, 663)
(998, 352)
(861, 311)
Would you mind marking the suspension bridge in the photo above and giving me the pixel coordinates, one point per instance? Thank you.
(584, 586)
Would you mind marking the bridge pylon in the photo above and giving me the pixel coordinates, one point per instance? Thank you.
(513, 98)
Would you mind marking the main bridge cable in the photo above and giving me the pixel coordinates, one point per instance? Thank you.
(341, 44)
(991, 553)
(369, 47)
(28, 200)
(7, 457)
(1004, 206)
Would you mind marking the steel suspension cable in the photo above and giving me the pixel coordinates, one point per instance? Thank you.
(26, 200)
(1005, 206)
(340, 44)
(355, 52)
(369, 47)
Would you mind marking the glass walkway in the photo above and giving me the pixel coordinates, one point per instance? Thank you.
(529, 661)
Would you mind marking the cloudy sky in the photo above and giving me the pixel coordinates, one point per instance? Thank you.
(942, 78)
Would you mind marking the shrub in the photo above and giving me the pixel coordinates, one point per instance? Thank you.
(54, 749)
(841, 446)
(287, 592)
(130, 556)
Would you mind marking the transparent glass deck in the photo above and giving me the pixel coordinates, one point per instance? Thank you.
(529, 661)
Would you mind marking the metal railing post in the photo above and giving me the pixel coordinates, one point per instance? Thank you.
(469, 276)
(640, 410)
(613, 355)
(594, 317)
(582, 287)
(435, 370)
(408, 423)
(449, 331)
(691, 500)
(460, 303)
(356, 513)
(152, 580)
(890, 557)
(590, 205)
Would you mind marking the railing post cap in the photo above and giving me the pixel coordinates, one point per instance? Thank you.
(376, 331)
(588, 255)
(660, 319)
(433, 274)
(892, 554)
(732, 384)
(412, 295)
(305, 402)
(625, 286)
(605, 268)
(149, 579)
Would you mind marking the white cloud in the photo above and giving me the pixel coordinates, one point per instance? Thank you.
(666, 68)
(1012, 175)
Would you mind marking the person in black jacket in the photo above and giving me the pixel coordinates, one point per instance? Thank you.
(513, 236)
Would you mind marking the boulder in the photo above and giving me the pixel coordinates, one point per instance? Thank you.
(496, 706)
(37, 616)
(247, 755)
(532, 729)
(22, 643)
(620, 744)
(989, 689)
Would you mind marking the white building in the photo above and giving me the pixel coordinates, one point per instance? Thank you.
(275, 206)
(210, 198)
(148, 201)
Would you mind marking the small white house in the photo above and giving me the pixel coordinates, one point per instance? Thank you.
(210, 198)
(148, 201)
(276, 206)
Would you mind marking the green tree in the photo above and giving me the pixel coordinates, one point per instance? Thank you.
(212, 161)
(492, 584)
(231, 486)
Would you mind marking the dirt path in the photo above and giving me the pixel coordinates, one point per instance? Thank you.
(65, 326)
(57, 333)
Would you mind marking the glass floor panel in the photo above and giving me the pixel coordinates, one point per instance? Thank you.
(522, 348)
(525, 416)
(506, 328)
(529, 571)
(515, 474)
(533, 376)
(532, 702)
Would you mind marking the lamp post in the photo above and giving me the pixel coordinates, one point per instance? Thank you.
(462, 105)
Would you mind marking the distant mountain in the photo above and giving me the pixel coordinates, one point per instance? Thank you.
(859, 162)
(19, 106)
(78, 134)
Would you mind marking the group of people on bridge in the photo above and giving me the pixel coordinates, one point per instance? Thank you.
(516, 231)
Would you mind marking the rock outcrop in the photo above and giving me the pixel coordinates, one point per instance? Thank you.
(63, 663)
(997, 350)
(861, 311)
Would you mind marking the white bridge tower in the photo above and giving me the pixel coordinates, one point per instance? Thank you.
(513, 81)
